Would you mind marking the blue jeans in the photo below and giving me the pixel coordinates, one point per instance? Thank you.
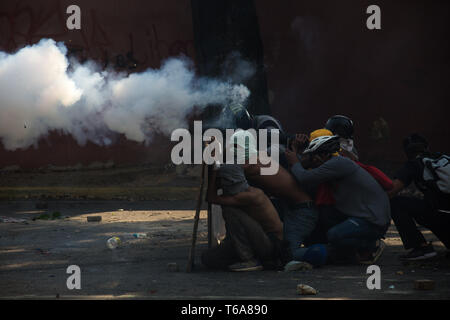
(355, 234)
(298, 225)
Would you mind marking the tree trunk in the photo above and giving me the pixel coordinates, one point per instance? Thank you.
(230, 28)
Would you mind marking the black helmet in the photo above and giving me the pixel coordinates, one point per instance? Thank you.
(269, 123)
(340, 125)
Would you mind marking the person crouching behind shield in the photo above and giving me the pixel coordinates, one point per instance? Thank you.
(254, 231)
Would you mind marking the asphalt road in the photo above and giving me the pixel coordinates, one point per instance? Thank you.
(35, 255)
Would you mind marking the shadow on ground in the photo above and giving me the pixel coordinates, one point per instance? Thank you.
(34, 256)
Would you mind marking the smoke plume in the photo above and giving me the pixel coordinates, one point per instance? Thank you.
(41, 90)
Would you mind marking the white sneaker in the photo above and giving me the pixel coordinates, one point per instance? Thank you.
(297, 266)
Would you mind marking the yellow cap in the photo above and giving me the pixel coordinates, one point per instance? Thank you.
(319, 133)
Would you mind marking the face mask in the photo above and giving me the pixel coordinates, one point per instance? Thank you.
(346, 144)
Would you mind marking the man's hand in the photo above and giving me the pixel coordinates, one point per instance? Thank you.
(398, 186)
(300, 143)
(306, 161)
(348, 154)
(291, 157)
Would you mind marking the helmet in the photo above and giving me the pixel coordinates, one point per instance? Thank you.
(243, 120)
(270, 123)
(323, 144)
(266, 122)
(340, 125)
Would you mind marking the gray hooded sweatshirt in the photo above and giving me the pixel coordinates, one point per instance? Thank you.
(356, 192)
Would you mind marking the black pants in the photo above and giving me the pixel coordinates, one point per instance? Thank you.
(407, 211)
(245, 240)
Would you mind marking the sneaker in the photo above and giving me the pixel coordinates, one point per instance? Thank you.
(251, 265)
(374, 256)
(297, 266)
(420, 253)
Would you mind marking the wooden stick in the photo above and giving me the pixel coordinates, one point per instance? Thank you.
(196, 219)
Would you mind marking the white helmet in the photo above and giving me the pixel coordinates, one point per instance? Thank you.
(328, 144)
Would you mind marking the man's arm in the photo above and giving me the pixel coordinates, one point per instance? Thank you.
(300, 143)
(398, 186)
(241, 199)
(252, 169)
(404, 176)
(331, 170)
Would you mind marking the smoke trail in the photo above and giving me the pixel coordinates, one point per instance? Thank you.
(40, 93)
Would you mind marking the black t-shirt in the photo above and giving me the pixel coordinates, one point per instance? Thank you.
(412, 171)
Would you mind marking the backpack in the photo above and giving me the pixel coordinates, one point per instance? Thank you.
(436, 173)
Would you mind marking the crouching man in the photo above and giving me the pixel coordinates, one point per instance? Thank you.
(359, 199)
(254, 230)
(431, 174)
(298, 212)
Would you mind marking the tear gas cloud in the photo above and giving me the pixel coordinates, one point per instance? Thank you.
(41, 91)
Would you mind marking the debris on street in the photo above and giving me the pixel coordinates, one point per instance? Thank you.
(304, 289)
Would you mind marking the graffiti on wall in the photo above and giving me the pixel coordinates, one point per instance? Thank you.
(130, 49)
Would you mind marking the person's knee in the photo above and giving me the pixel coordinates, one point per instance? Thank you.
(333, 236)
(337, 235)
(402, 205)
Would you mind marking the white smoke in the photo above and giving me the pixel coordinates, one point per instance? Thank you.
(38, 93)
